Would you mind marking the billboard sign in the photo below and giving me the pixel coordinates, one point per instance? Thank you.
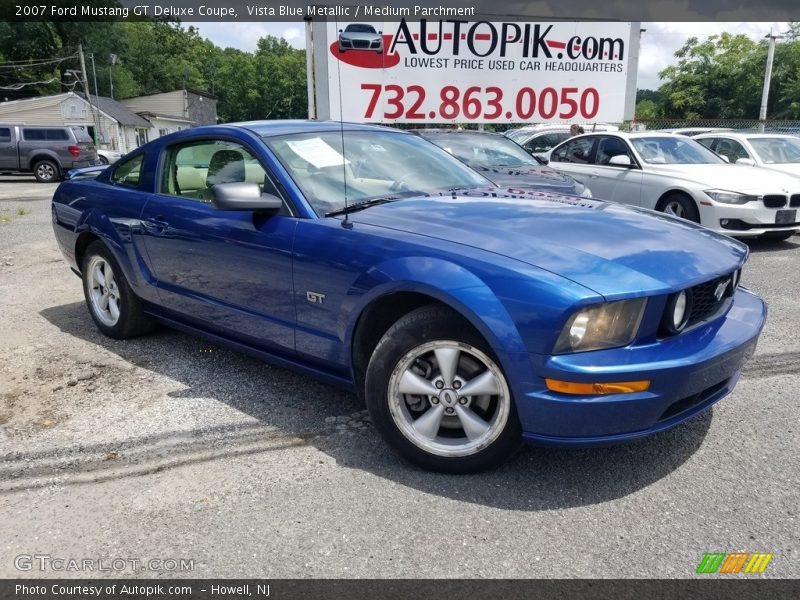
(482, 71)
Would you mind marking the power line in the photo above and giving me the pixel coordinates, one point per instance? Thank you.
(18, 86)
(36, 64)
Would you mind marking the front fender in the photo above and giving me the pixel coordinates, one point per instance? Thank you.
(449, 283)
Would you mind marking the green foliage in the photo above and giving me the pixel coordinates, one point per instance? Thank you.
(722, 78)
(157, 57)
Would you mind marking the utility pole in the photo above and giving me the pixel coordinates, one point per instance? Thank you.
(85, 83)
(762, 114)
(94, 74)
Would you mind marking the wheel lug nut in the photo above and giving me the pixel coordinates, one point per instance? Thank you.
(434, 400)
(462, 400)
(456, 384)
(449, 411)
(439, 385)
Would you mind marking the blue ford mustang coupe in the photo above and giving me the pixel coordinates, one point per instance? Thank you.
(467, 316)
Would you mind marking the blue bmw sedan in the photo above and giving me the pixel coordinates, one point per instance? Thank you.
(467, 316)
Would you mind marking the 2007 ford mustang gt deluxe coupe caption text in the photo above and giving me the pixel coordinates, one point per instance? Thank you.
(468, 317)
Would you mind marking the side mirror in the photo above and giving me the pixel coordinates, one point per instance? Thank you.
(725, 158)
(340, 31)
(620, 160)
(243, 196)
(746, 161)
(380, 32)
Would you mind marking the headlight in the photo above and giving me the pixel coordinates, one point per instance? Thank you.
(606, 325)
(730, 197)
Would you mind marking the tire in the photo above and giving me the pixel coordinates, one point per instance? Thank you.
(410, 356)
(776, 236)
(115, 309)
(680, 206)
(46, 171)
(103, 159)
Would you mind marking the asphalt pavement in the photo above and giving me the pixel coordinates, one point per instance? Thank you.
(193, 460)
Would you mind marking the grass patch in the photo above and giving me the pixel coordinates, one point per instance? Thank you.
(21, 212)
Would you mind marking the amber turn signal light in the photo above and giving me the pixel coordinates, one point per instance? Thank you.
(599, 389)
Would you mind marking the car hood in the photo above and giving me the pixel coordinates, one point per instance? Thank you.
(539, 177)
(614, 250)
(792, 169)
(360, 35)
(735, 178)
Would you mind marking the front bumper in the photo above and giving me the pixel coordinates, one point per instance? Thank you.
(688, 373)
(746, 220)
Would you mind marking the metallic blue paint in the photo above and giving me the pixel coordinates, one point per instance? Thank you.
(514, 263)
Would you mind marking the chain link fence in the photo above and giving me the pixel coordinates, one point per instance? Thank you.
(705, 125)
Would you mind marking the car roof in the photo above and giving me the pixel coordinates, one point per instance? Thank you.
(292, 126)
(436, 131)
(745, 134)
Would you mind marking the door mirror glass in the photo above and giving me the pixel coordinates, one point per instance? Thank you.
(243, 196)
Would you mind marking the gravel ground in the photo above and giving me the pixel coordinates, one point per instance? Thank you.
(166, 447)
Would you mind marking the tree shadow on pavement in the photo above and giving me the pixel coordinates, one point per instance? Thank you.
(333, 421)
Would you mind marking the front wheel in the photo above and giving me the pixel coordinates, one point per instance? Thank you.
(116, 310)
(438, 396)
(679, 205)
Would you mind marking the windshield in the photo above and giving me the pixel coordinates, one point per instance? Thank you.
(519, 134)
(484, 150)
(674, 151)
(776, 150)
(358, 28)
(374, 164)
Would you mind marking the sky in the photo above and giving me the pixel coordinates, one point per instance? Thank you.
(659, 41)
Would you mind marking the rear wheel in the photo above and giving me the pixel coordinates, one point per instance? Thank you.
(777, 236)
(46, 171)
(438, 396)
(103, 159)
(679, 205)
(116, 310)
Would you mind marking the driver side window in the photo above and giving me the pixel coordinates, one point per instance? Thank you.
(193, 168)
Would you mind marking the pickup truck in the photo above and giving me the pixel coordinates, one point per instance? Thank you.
(46, 151)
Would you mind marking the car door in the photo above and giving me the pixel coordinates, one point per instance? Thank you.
(226, 271)
(574, 157)
(617, 183)
(9, 159)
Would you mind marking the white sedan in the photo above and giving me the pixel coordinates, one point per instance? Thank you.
(776, 151)
(676, 175)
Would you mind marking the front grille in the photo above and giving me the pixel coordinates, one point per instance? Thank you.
(795, 201)
(360, 44)
(704, 302)
(774, 201)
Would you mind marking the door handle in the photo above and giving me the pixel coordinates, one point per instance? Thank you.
(157, 224)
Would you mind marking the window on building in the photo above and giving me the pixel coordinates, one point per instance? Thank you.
(141, 136)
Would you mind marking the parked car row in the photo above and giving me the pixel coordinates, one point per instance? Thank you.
(468, 316)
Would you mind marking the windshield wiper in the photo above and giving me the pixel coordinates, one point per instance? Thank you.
(362, 205)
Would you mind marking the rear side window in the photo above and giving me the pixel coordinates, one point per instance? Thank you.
(129, 173)
(5, 134)
(577, 151)
(42, 135)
